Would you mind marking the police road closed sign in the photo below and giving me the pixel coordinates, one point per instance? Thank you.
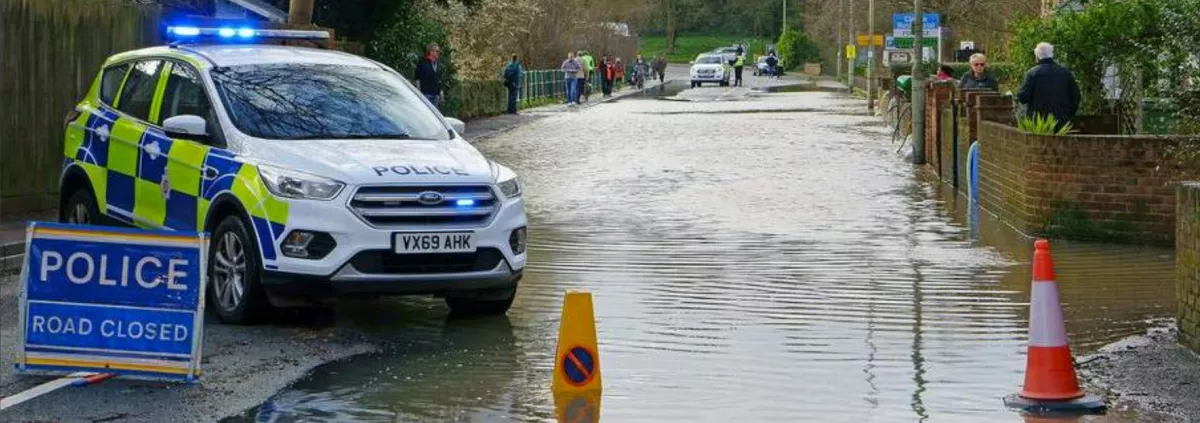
(110, 300)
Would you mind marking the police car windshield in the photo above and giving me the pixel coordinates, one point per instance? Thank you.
(707, 60)
(294, 101)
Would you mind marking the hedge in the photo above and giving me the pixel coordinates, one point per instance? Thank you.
(479, 98)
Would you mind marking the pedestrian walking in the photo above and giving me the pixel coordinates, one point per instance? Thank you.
(589, 64)
(1049, 89)
(512, 81)
(572, 69)
(618, 72)
(606, 75)
(640, 69)
(428, 75)
(979, 77)
(738, 64)
(660, 67)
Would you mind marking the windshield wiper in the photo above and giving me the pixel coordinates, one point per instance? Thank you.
(354, 137)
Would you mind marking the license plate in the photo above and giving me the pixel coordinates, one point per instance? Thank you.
(434, 242)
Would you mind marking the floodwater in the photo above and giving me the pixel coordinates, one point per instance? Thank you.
(745, 266)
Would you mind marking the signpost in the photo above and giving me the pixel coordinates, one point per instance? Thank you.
(902, 32)
(112, 301)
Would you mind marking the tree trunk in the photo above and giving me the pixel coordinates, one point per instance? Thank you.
(671, 24)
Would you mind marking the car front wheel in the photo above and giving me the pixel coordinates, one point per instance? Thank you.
(234, 285)
(80, 209)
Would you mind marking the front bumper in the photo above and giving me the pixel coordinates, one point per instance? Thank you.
(708, 77)
(362, 261)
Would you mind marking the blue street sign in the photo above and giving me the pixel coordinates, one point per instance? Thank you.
(902, 23)
(112, 300)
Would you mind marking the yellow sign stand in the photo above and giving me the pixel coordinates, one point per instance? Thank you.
(577, 359)
(851, 51)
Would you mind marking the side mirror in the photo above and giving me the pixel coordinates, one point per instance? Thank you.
(189, 127)
(459, 126)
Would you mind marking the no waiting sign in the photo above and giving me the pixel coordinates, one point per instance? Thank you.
(110, 300)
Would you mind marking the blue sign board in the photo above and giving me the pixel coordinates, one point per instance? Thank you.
(111, 300)
(902, 23)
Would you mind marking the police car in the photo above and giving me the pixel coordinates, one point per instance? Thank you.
(710, 68)
(316, 173)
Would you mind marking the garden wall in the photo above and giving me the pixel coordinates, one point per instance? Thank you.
(1187, 265)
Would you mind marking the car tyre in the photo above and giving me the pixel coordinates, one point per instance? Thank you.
(80, 209)
(492, 305)
(235, 289)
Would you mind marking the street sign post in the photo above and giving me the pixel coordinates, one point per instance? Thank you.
(114, 301)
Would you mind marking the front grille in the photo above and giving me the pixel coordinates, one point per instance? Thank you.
(385, 206)
(385, 262)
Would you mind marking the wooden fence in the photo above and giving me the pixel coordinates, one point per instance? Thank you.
(50, 52)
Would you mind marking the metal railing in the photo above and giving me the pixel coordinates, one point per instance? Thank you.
(537, 85)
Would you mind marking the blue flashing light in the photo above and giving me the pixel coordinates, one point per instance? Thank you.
(245, 32)
(466, 202)
(226, 32)
(185, 31)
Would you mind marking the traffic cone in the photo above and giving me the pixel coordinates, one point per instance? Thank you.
(1051, 384)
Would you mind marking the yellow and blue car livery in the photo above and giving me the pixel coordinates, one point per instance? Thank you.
(332, 168)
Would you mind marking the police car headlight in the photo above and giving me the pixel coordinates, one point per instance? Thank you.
(506, 181)
(510, 188)
(289, 183)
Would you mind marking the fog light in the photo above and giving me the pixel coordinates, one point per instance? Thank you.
(516, 240)
(296, 244)
(307, 245)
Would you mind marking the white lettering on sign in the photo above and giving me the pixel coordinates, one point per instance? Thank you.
(138, 272)
(47, 256)
(151, 331)
(173, 272)
(71, 268)
(62, 326)
(80, 269)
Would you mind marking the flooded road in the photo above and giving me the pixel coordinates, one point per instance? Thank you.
(752, 257)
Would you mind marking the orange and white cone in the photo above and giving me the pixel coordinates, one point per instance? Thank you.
(1050, 381)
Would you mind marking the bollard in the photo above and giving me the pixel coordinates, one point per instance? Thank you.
(1051, 384)
(577, 358)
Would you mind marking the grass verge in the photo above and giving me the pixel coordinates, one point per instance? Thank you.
(688, 46)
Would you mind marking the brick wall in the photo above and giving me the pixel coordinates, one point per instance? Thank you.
(1097, 187)
(1187, 265)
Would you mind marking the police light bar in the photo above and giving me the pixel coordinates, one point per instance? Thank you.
(191, 32)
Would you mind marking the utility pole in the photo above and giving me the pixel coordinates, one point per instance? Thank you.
(871, 56)
(840, 46)
(300, 12)
(850, 59)
(918, 85)
(784, 29)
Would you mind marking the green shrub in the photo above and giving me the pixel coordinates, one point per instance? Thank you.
(480, 98)
(1042, 125)
(402, 44)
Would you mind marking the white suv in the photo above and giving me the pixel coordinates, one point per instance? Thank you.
(710, 68)
(317, 174)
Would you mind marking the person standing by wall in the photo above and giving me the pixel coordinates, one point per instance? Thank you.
(1049, 89)
(618, 72)
(979, 77)
(512, 81)
(571, 69)
(604, 68)
(428, 77)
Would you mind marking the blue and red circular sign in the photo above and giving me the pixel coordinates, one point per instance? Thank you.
(579, 366)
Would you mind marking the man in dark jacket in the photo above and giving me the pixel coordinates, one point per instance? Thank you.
(512, 81)
(1049, 89)
(427, 75)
